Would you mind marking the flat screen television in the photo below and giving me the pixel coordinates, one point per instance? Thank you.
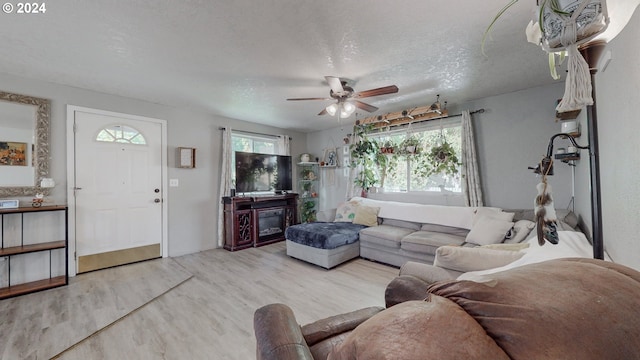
(263, 172)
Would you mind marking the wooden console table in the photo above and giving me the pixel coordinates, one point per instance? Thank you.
(16, 252)
(251, 221)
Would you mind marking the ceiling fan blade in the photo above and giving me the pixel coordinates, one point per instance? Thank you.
(335, 84)
(364, 106)
(391, 89)
(296, 99)
(323, 112)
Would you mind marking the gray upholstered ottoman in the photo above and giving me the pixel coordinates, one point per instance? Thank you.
(325, 244)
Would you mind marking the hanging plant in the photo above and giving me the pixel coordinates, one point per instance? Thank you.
(410, 145)
(442, 159)
(363, 155)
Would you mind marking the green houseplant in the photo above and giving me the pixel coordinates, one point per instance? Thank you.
(442, 159)
(308, 211)
(364, 154)
(410, 145)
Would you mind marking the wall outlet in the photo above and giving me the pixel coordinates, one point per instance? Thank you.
(174, 182)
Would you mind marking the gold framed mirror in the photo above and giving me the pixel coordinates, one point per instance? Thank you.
(24, 144)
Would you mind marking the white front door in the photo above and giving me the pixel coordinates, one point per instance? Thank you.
(118, 190)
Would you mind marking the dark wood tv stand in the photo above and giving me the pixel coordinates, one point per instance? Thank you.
(251, 221)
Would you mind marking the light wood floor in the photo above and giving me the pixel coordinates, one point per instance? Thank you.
(198, 306)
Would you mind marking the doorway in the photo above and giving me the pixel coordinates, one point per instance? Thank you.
(116, 188)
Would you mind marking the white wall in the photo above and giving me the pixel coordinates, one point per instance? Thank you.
(193, 206)
(512, 134)
(333, 182)
(618, 97)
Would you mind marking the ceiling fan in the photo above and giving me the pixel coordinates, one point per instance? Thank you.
(347, 98)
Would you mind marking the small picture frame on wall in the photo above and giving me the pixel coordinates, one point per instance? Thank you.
(186, 157)
(331, 157)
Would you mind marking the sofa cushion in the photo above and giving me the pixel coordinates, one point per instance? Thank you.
(427, 242)
(466, 259)
(346, 211)
(445, 229)
(433, 329)
(321, 235)
(401, 223)
(384, 235)
(489, 230)
(567, 219)
(494, 213)
(457, 216)
(366, 215)
(559, 309)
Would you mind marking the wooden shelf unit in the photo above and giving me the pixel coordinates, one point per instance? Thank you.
(10, 251)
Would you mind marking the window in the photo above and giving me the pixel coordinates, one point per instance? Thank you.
(254, 143)
(121, 134)
(411, 172)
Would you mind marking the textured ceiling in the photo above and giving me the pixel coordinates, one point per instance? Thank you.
(241, 59)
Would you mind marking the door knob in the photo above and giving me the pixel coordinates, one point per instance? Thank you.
(156, 200)
(156, 191)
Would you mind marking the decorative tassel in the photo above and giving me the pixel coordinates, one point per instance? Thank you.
(577, 90)
(545, 215)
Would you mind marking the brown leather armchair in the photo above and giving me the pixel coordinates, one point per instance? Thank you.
(559, 309)
(280, 337)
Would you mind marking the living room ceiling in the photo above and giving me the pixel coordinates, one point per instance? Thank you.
(242, 59)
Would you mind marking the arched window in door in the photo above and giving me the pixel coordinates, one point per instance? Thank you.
(121, 134)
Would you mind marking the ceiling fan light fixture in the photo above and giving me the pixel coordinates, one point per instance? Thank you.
(332, 109)
(347, 109)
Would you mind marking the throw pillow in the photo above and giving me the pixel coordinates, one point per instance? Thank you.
(366, 215)
(488, 230)
(521, 228)
(346, 211)
(493, 213)
(466, 259)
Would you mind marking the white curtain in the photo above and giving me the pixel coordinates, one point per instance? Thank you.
(225, 180)
(283, 145)
(470, 175)
(352, 190)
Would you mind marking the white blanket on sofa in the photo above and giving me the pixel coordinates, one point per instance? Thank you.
(456, 216)
(571, 244)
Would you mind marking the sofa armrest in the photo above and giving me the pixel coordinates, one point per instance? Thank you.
(428, 273)
(325, 328)
(278, 335)
(465, 259)
(326, 215)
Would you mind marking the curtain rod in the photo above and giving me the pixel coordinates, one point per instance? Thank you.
(479, 111)
(252, 133)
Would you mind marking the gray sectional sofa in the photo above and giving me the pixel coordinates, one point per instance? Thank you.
(413, 232)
